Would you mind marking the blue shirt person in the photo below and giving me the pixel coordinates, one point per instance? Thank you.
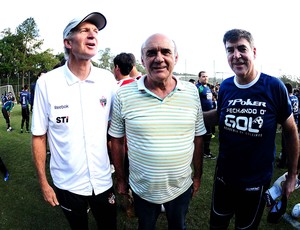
(25, 101)
(6, 109)
(250, 104)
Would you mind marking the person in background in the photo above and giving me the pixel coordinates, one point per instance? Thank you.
(76, 126)
(25, 100)
(32, 89)
(295, 105)
(123, 64)
(162, 119)
(250, 104)
(192, 81)
(134, 73)
(3, 98)
(206, 99)
(4, 170)
(6, 110)
(297, 94)
(215, 104)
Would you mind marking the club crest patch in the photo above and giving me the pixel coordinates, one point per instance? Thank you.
(103, 101)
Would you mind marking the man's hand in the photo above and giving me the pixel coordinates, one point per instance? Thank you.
(49, 195)
(196, 185)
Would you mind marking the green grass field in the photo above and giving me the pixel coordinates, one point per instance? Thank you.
(22, 205)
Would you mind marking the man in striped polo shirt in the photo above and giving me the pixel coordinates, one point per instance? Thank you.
(164, 129)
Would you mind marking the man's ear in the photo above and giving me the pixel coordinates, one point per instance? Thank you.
(142, 62)
(176, 58)
(67, 43)
(254, 52)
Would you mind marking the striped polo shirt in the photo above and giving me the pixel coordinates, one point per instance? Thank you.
(160, 135)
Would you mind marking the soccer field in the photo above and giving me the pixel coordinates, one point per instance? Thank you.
(22, 205)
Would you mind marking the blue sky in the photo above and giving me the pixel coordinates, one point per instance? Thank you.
(197, 27)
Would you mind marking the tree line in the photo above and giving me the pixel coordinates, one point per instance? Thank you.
(22, 57)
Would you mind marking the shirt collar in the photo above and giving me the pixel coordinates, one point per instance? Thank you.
(141, 83)
(72, 79)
